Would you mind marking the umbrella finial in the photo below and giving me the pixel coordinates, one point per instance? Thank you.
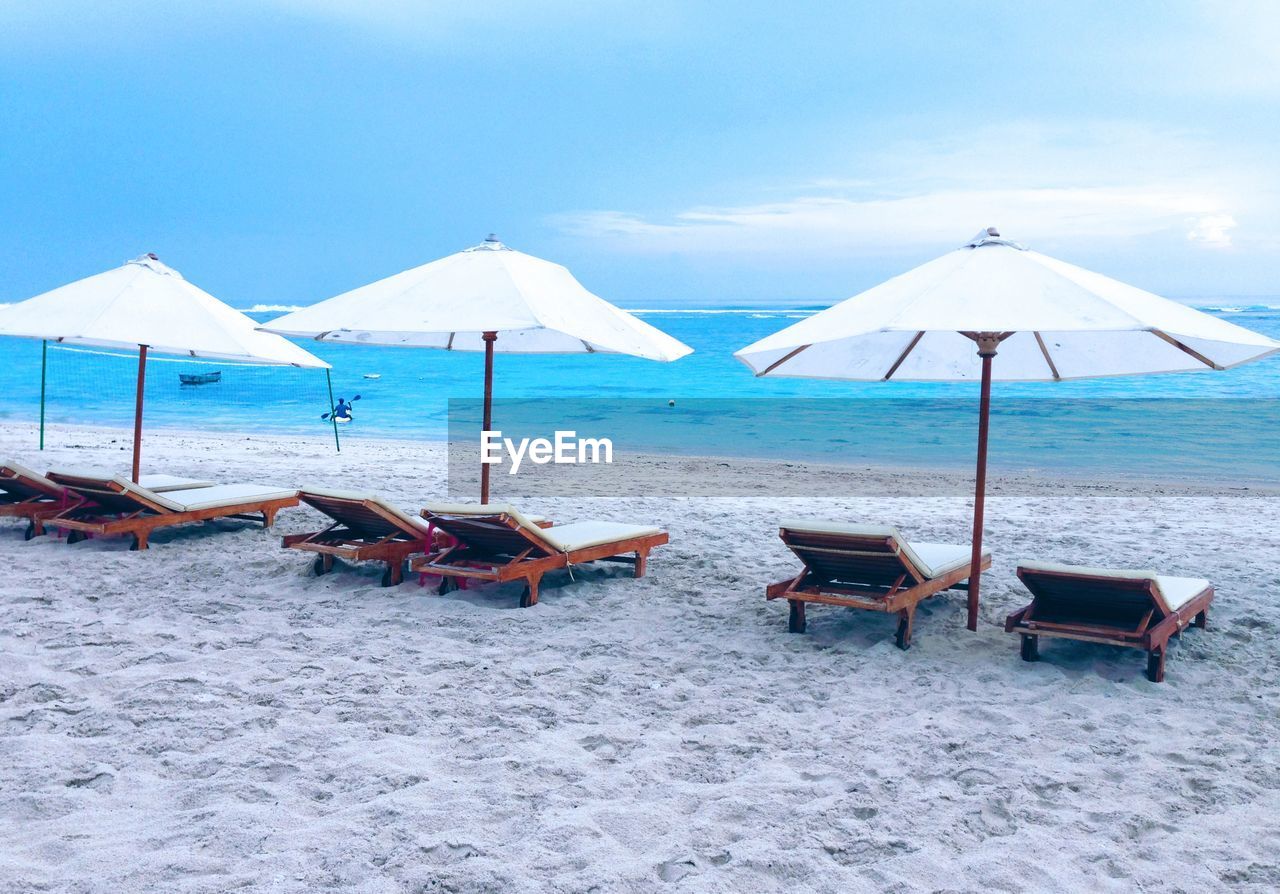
(491, 243)
(152, 262)
(991, 236)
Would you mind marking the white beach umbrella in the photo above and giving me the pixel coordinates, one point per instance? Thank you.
(487, 298)
(1047, 319)
(146, 306)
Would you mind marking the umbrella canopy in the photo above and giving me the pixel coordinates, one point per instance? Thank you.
(145, 302)
(1048, 320)
(535, 306)
(145, 306)
(487, 298)
(1064, 322)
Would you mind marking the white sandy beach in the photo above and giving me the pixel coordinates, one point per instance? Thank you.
(207, 716)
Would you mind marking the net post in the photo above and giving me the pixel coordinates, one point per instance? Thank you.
(44, 359)
(334, 419)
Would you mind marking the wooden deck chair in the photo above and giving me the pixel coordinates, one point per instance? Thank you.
(365, 528)
(1137, 609)
(869, 567)
(498, 543)
(30, 495)
(118, 506)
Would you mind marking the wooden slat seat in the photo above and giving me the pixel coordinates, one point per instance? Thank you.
(871, 567)
(27, 494)
(116, 506)
(1137, 609)
(365, 528)
(498, 543)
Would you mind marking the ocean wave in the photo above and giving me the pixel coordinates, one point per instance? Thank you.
(1238, 308)
(756, 312)
(270, 308)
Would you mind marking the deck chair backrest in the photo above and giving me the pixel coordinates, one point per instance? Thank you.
(1118, 598)
(870, 555)
(17, 483)
(491, 530)
(363, 514)
(114, 494)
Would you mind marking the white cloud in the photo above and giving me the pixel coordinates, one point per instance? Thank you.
(1036, 182)
(1213, 230)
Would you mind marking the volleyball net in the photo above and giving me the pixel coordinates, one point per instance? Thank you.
(98, 387)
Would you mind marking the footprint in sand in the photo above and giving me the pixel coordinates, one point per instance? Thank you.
(604, 748)
(450, 852)
(674, 870)
(101, 781)
(864, 851)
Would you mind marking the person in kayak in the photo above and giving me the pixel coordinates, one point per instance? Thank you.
(342, 412)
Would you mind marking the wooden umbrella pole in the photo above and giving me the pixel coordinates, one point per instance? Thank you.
(489, 339)
(137, 413)
(987, 351)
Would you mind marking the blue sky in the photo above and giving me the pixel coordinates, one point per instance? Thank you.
(282, 151)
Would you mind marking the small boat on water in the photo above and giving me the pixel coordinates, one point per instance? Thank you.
(373, 375)
(200, 378)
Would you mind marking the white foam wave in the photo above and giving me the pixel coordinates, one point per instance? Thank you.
(750, 311)
(271, 308)
(1237, 308)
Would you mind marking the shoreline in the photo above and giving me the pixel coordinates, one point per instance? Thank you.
(891, 480)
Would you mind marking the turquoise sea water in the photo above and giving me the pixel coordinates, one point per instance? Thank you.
(717, 401)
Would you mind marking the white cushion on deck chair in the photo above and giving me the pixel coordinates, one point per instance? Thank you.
(126, 485)
(412, 521)
(940, 558)
(562, 538)
(220, 495)
(580, 535)
(94, 474)
(33, 477)
(528, 521)
(160, 483)
(930, 559)
(1176, 591)
(157, 483)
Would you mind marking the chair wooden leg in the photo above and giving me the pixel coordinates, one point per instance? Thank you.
(642, 562)
(906, 619)
(268, 517)
(1202, 619)
(1155, 665)
(530, 595)
(139, 541)
(795, 622)
(1030, 647)
(394, 574)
